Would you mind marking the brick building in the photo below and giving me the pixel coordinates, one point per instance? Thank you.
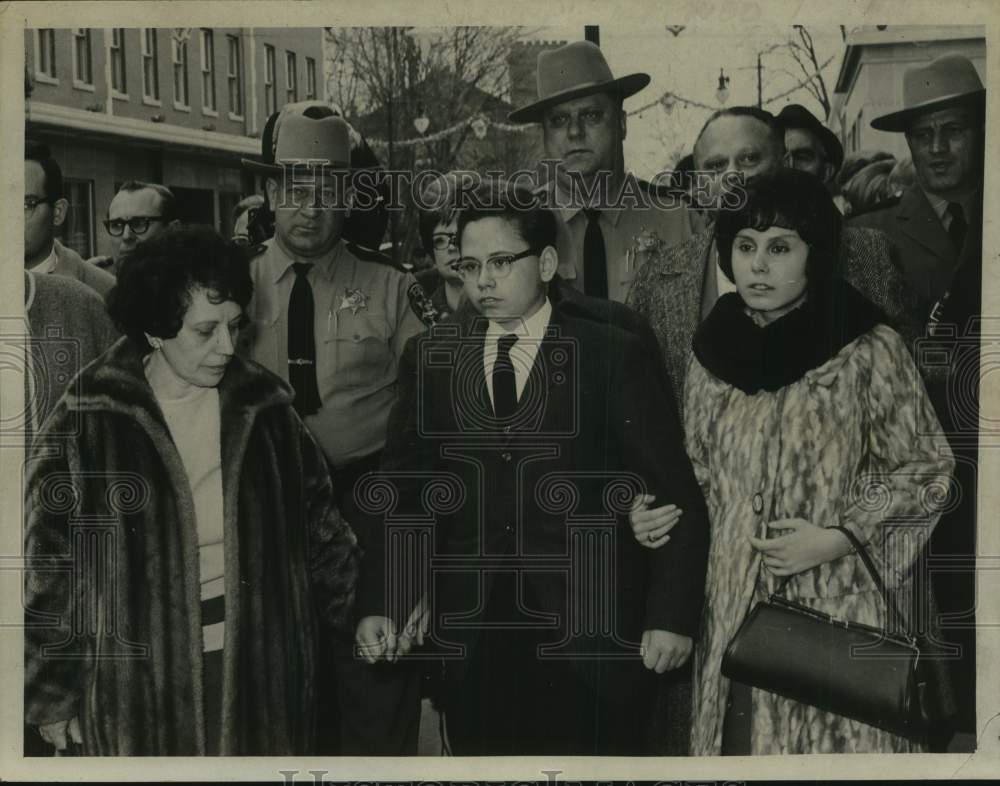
(178, 106)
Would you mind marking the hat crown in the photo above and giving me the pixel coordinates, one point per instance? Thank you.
(300, 137)
(947, 76)
(575, 65)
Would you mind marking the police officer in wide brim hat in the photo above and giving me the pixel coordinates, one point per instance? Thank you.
(573, 71)
(948, 81)
(311, 129)
(300, 133)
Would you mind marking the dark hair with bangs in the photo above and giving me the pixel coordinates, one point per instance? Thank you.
(794, 200)
(507, 199)
(157, 280)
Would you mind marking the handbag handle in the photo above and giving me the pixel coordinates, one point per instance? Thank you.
(869, 563)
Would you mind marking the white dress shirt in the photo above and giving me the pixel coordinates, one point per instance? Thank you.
(530, 333)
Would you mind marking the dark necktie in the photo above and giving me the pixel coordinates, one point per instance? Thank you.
(957, 227)
(504, 382)
(595, 262)
(302, 343)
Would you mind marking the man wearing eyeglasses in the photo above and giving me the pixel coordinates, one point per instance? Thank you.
(45, 211)
(139, 212)
(608, 218)
(547, 424)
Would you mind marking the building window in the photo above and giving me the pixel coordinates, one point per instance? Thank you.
(78, 229)
(83, 72)
(270, 102)
(291, 79)
(310, 78)
(207, 71)
(150, 70)
(235, 75)
(45, 54)
(180, 58)
(118, 83)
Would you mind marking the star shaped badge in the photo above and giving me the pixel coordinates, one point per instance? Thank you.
(355, 300)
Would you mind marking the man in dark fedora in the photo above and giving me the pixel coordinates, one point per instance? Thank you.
(331, 318)
(608, 219)
(936, 230)
(809, 145)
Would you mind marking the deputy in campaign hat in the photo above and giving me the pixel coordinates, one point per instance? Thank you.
(305, 131)
(573, 71)
(947, 81)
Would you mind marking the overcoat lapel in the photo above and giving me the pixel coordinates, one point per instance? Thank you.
(918, 221)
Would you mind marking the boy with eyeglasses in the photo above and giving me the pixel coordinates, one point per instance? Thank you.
(139, 212)
(545, 426)
(45, 210)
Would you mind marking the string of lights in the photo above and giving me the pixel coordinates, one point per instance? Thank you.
(480, 125)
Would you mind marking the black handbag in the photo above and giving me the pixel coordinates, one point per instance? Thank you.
(854, 670)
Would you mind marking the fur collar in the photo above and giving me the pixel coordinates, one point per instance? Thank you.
(117, 382)
(731, 346)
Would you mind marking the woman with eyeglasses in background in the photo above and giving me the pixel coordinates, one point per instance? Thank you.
(438, 218)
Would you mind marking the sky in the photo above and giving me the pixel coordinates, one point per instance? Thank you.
(688, 65)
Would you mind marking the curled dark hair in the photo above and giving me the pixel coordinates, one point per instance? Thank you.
(158, 278)
(794, 200)
(500, 198)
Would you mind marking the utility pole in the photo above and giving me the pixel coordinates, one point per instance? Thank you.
(391, 124)
(760, 95)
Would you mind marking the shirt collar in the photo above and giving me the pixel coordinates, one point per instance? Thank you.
(29, 290)
(940, 206)
(280, 263)
(533, 327)
(568, 210)
(48, 264)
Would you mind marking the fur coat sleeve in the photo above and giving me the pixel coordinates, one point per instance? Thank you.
(333, 548)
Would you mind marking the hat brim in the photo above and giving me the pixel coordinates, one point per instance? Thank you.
(901, 119)
(260, 168)
(625, 86)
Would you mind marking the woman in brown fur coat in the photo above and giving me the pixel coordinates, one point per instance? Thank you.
(182, 541)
